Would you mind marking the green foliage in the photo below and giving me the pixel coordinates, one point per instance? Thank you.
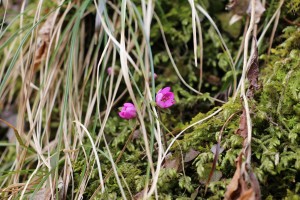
(185, 183)
(276, 122)
(294, 6)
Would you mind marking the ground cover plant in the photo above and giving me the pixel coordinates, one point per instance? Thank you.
(149, 99)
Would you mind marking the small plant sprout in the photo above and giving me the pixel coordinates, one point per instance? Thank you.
(165, 98)
(128, 111)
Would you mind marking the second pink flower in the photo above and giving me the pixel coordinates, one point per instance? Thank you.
(165, 98)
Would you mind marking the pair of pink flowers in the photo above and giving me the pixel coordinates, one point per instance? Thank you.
(164, 99)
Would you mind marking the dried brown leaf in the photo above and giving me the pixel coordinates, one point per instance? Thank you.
(233, 187)
(255, 185)
(239, 188)
(173, 163)
(136, 134)
(253, 72)
(240, 8)
(242, 130)
(247, 195)
(139, 195)
(213, 80)
(191, 155)
(216, 148)
(44, 36)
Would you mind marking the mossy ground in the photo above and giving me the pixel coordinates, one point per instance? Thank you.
(275, 112)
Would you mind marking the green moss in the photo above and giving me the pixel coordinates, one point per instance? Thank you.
(275, 149)
(275, 112)
(276, 119)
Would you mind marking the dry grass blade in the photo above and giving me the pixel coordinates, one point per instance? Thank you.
(174, 65)
(95, 153)
(238, 187)
(223, 42)
(194, 29)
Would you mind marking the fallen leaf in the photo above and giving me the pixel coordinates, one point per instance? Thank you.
(216, 148)
(173, 163)
(242, 130)
(240, 8)
(239, 188)
(44, 36)
(253, 72)
(191, 155)
(213, 174)
(255, 185)
(139, 195)
(213, 80)
(247, 195)
(232, 188)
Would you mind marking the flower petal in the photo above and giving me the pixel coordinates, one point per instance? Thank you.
(159, 97)
(128, 105)
(165, 90)
(128, 111)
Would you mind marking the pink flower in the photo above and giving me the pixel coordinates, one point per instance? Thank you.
(109, 70)
(128, 111)
(165, 98)
(154, 75)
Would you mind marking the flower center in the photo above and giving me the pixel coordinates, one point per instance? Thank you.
(165, 98)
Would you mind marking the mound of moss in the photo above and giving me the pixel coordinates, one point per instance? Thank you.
(276, 123)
